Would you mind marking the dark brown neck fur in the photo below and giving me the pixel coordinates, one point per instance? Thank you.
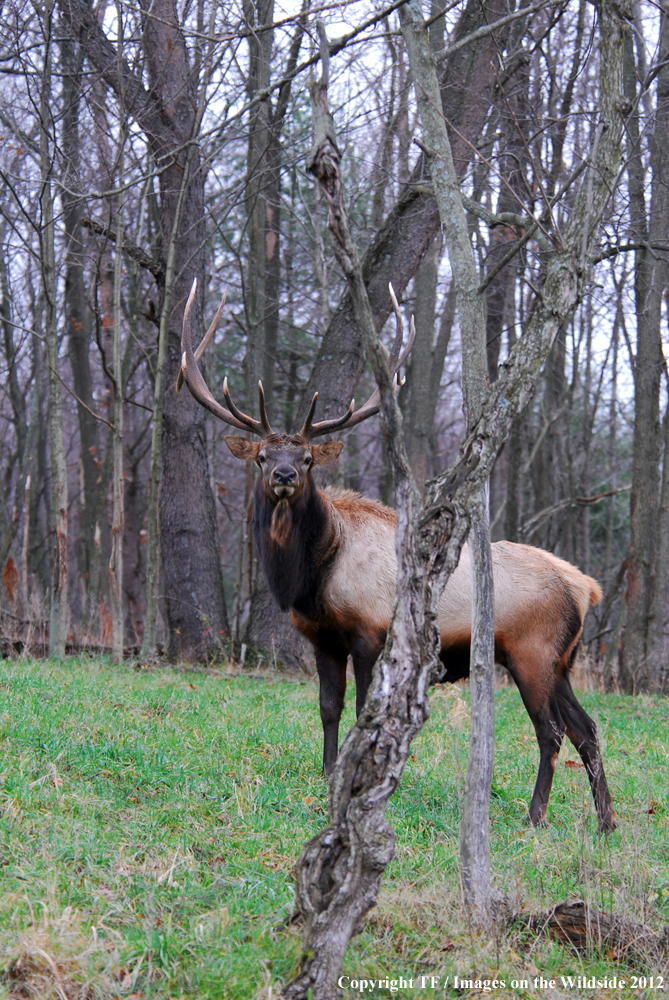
(297, 558)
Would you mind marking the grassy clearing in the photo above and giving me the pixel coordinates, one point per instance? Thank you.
(149, 822)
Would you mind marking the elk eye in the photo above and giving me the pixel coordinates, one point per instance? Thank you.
(262, 458)
(307, 459)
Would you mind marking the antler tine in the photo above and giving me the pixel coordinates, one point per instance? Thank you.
(351, 417)
(208, 335)
(305, 432)
(394, 359)
(186, 339)
(394, 354)
(397, 359)
(212, 329)
(407, 350)
(263, 412)
(190, 372)
(310, 430)
(248, 423)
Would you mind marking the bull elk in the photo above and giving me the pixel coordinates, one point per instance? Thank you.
(329, 557)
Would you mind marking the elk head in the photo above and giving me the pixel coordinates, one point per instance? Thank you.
(285, 460)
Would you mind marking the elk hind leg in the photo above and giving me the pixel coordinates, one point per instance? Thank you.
(582, 732)
(550, 731)
(548, 726)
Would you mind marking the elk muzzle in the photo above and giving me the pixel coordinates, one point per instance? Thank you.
(283, 481)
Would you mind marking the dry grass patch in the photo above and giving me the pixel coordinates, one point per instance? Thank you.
(56, 958)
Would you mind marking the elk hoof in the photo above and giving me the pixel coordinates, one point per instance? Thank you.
(607, 824)
(537, 821)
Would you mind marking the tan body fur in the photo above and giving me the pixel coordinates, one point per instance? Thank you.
(525, 578)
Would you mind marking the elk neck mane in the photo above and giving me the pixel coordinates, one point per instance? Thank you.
(298, 569)
(293, 569)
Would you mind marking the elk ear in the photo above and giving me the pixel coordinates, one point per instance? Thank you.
(327, 452)
(241, 448)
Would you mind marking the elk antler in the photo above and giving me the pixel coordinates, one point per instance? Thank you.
(395, 358)
(192, 376)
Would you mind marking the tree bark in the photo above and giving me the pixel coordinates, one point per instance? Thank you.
(118, 492)
(25, 431)
(637, 672)
(268, 630)
(194, 598)
(263, 192)
(257, 12)
(657, 639)
(552, 458)
(516, 117)
(514, 458)
(58, 596)
(170, 115)
(612, 436)
(39, 511)
(475, 872)
(474, 837)
(467, 80)
(339, 870)
(16, 396)
(77, 315)
(419, 414)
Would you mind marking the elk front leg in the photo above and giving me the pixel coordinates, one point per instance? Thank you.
(364, 653)
(549, 737)
(331, 667)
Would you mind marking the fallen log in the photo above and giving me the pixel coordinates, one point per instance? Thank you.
(576, 923)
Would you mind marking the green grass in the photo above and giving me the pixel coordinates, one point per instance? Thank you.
(149, 822)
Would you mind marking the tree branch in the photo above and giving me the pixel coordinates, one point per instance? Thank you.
(489, 28)
(612, 251)
(529, 527)
(131, 249)
(80, 401)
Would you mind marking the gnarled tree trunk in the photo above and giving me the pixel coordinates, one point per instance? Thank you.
(339, 870)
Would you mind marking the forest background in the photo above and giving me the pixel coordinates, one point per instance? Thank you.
(145, 144)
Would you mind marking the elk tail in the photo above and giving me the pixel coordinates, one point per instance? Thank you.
(596, 592)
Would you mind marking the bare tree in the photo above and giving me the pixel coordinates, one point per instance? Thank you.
(170, 115)
(77, 314)
(58, 596)
(475, 823)
(118, 475)
(339, 870)
(642, 649)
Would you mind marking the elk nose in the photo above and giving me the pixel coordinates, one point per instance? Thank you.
(284, 477)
